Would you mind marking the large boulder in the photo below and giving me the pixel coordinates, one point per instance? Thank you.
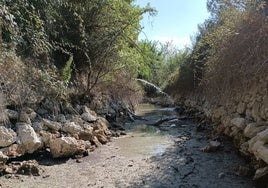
(28, 138)
(63, 147)
(7, 136)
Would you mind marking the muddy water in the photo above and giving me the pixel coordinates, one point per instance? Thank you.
(144, 139)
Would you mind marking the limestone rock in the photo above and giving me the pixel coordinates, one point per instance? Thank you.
(7, 136)
(3, 157)
(239, 123)
(252, 129)
(102, 124)
(96, 141)
(88, 117)
(46, 137)
(13, 151)
(63, 147)
(27, 137)
(54, 126)
(24, 117)
(72, 128)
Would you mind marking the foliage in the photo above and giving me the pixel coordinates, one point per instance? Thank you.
(88, 43)
(229, 50)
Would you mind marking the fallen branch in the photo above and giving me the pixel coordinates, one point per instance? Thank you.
(159, 122)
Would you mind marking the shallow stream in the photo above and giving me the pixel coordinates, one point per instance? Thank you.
(143, 138)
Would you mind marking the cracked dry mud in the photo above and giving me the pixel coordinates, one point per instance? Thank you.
(146, 157)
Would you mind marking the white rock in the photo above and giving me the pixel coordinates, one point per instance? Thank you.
(27, 137)
(72, 128)
(252, 129)
(239, 123)
(3, 157)
(63, 147)
(55, 126)
(88, 117)
(7, 136)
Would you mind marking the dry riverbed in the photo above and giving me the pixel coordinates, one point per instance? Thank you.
(170, 156)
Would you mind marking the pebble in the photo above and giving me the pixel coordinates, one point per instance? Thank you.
(221, 175)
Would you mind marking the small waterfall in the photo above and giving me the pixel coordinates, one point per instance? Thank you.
(158, 91)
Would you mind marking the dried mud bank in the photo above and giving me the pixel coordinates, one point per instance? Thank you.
(244, 118)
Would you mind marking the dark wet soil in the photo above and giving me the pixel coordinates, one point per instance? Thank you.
(165, 156)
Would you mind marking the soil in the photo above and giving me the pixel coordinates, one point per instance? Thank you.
(166, 156)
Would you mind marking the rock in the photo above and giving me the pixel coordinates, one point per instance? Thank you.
(218, 113)
(258, 146)
(96, 141)
(263, 135)
(3, 157)
(261, 152)
(54, 126)
(46, 137)
(244, 149)
(212, 146)
(102, 139)
(241, 108)
(261, 177)
(61, 118)
(12, 114)
(30, 112)
(88, 117)
(72, 128)
(38, 126)
(85, 135)
(221, 175)
(29, 168)
(24, 117)
(63, 147)
(27, 137)
(243, 171)
(102, 124)
(252, 129)
(13, 151)
(239, 123)
(7, 136)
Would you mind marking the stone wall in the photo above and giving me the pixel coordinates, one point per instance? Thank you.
(244, 117)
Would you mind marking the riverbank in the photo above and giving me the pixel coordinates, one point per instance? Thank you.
(175, 158)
